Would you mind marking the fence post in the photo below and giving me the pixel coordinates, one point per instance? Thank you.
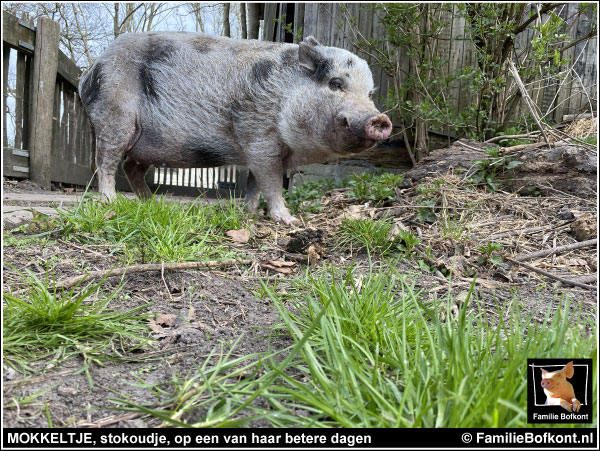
(45, 64)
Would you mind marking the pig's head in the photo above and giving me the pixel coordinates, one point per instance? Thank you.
(556, 381)
(332, 108)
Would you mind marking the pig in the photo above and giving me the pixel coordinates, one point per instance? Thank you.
(187, 100)
(559, 391)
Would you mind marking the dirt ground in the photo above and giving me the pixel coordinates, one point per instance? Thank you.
(199, 310)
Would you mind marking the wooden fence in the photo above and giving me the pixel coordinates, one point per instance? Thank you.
(556, 97)
(47, 135)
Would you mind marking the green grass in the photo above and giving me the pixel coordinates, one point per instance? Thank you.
(155, 230)
(43, 322)
(454, 226)
(374, 237)
(214, 393)
(371, 352)
(381, 357)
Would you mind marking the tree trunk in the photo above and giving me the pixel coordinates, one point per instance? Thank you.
(226, 27)
(243, 21)
(116, 28)
(253, 20)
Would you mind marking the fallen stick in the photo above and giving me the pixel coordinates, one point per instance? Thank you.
(527, 231)
(584, 279)
(552, 276)
(533, 135)
(528, 102)
(556, 250)
(518, 147)
(71, 281)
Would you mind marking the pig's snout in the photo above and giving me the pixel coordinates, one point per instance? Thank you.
(357, 133)
(546, 383)
(378, 128)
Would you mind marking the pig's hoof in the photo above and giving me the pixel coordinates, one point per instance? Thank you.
(288, 220)
(576, 405)
(565, 405)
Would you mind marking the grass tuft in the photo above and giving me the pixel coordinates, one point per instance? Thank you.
(45, 322)
(155, 230)
(381, 357)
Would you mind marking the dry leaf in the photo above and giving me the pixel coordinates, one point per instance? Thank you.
(155, 327)
(355, 212)
(314, 253)
(281, 263)
(110, 215)
(395, 230)
(239, 236)
(199, 325)
(165, 319)
(574, 261)
(358, 283)
(280, 266)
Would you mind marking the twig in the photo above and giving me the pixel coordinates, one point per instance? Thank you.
(552, 276)
(527, 231)
(532, 135)
(71, 281)
(556, 250)
(585, 279)
(528, 101)
(409, 150)
(97, 254)
(518, 147)
(469, 147)
(36, 379)
(110, 420)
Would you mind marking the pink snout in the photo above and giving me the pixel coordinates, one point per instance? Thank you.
(378, 128)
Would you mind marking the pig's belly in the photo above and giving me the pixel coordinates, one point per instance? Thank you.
(189, 153)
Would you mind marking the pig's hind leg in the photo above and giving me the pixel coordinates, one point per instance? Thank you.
(252, 193)
(113, 141)
(135, 172)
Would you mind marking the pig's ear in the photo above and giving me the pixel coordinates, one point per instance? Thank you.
(569, 370)
(544, 372)
(309, 54)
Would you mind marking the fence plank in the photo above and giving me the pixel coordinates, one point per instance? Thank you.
(310, 19)
(324, 23)
(298, 22)
(6, 51)
(20, 100)
(268, 23)
(13, 32)
(44, 78)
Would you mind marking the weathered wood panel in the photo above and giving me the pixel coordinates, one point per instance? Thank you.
(44, 76)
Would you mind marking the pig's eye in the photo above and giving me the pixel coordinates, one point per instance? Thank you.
(335, 84)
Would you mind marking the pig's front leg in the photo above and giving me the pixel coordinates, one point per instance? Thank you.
(268, 176)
